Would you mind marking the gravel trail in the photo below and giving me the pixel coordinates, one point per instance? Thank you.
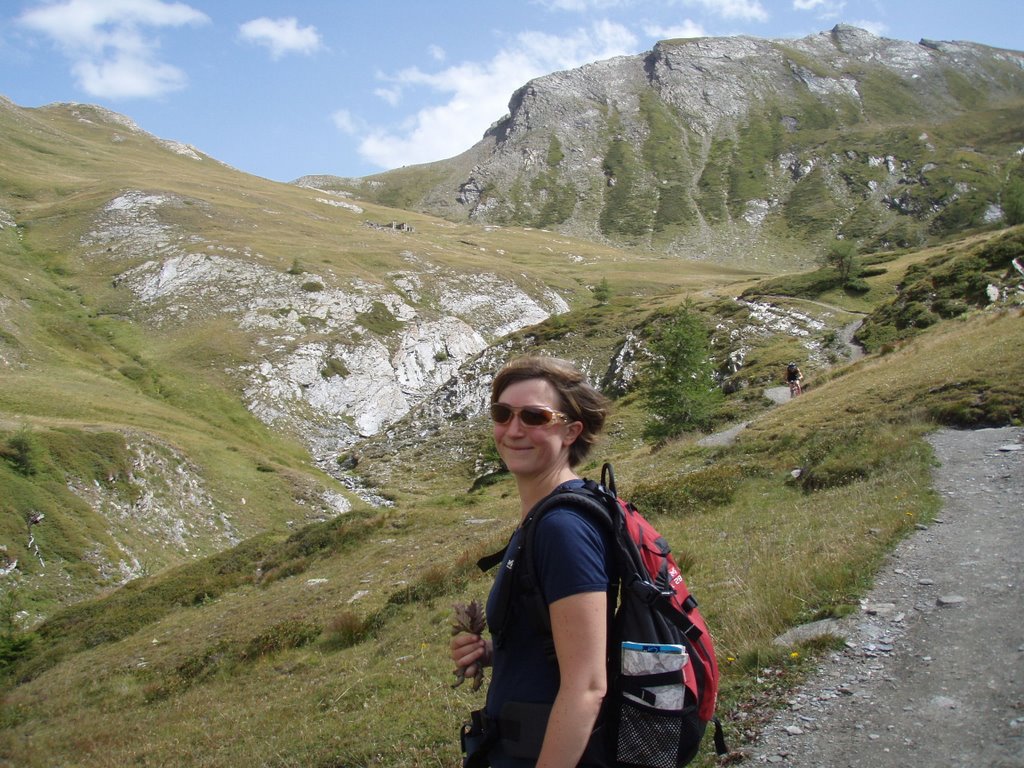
(933, 669)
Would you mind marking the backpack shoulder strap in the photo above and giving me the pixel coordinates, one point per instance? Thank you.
(524, 583)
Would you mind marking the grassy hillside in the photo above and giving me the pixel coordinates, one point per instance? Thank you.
(307, 649)
(124, 423)
(180, 585)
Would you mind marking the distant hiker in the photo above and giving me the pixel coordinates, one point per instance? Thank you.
(546, 417)
(794, 378)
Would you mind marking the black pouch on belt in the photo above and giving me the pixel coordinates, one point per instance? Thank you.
(477, 737)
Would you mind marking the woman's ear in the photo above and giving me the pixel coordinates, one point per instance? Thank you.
(572, 431)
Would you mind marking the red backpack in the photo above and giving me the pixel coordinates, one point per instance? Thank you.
(662, 672)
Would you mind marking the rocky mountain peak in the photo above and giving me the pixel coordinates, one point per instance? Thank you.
(690, 148)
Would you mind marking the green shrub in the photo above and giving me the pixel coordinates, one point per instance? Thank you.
(133, 371)
(997, 253)
(976, 403)
(436, 581)
(947, 308)
(379, 320)
(555, 154)
(856, 286)
(917, 315)
(334, 367)
(25, 452)
(344, 630)
(1013, 201)
(318, 540)
(712, 486)
(873, 271)
(290, 633)
(284, 570)
(838, 457)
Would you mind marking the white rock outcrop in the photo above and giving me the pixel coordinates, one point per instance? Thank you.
(323, 368)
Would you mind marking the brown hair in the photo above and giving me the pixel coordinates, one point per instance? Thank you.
(577, 398)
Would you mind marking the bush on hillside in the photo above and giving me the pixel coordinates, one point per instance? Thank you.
(975, 403)
(436, 581)
(946, 285)
(346, 629)
(24, 451)
(290, 633)
(838, 457)
(1013, 201)
(696, 491)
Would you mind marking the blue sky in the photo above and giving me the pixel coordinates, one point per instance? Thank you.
(284, 88)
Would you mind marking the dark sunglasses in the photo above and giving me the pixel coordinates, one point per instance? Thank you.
(529, 415)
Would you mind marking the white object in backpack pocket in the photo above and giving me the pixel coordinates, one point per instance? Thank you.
(651, 659)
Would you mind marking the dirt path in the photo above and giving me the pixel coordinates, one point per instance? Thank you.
(933, 669)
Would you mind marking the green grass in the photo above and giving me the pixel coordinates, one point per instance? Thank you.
(761, 552)
(306, 643)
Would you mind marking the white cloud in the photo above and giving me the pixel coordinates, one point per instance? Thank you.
(127, 77)
(281, 36)
(478, 93)
(110, 57)
(687, 29)
(390, 96)
(877, 28)
(345, 122)
(437, 53)
(746, 10)
(582, 6)
(826, 9)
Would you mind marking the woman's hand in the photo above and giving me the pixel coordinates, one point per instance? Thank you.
(470, 653)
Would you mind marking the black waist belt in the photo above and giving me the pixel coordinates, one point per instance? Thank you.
(520, 729)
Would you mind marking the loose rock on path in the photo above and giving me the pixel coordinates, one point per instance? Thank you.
(933, 669)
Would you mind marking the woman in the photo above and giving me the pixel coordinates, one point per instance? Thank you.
(546, 418)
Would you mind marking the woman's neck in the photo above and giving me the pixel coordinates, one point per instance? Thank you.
(534, 488)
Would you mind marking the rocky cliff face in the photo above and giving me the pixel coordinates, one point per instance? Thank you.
(319, 369)
(737, 148)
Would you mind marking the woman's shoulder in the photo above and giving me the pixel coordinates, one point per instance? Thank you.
(566, 518)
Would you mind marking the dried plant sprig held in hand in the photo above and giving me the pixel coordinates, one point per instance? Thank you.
(469, 618)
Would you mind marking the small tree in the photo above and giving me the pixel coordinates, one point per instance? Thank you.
(842, 257)
(677, 384)
(602, 291)
(24, 451)
(1013, 201)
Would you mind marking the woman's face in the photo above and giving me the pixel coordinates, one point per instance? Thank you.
(534, 451)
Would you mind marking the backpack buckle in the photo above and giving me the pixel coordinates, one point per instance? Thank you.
(646, 591)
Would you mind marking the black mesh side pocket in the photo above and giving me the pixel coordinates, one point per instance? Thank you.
(656, 738)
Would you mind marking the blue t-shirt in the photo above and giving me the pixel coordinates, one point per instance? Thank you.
(573, 555)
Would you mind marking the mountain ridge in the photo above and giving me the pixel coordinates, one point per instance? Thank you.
(707, 148)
